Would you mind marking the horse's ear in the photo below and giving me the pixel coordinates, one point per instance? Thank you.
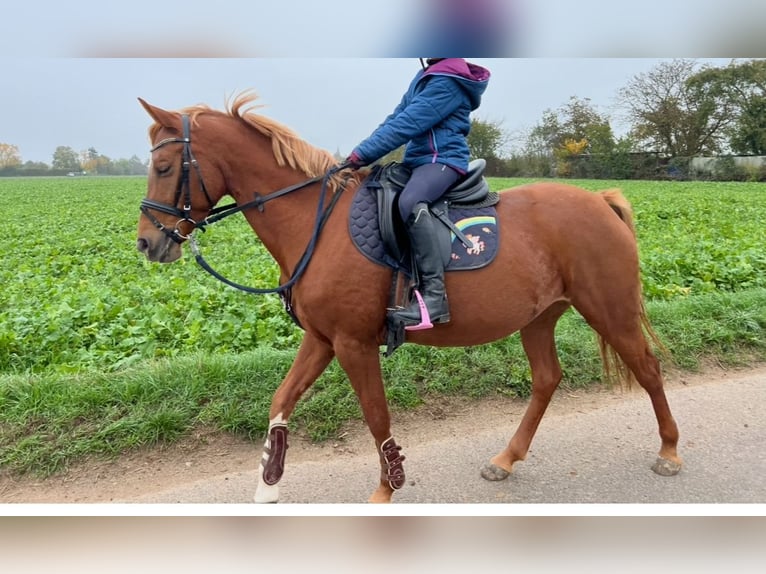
(162, 117)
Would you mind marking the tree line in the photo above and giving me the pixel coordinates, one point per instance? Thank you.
(677, 111)
(66, 161)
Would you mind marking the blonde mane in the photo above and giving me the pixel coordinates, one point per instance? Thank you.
(288, 148)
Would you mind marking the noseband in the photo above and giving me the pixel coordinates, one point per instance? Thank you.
(183, 189)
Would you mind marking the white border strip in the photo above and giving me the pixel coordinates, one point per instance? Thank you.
(577, 510)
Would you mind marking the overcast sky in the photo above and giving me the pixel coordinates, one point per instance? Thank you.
(59, 87)
(332, 103)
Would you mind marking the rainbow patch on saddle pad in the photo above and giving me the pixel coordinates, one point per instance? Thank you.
(480, 227)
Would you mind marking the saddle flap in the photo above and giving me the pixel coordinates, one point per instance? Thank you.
(389, 180)
(399, 174)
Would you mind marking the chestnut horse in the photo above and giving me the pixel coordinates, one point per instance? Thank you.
(560, 246)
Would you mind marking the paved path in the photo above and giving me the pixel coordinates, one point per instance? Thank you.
(596, 455)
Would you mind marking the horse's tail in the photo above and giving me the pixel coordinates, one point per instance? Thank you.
(614, 367)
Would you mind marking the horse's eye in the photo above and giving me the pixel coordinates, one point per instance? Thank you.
(163, 169)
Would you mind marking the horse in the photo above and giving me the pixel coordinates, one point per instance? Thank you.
(561, 246)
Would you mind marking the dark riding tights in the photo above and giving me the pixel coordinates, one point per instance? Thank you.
(427, 184)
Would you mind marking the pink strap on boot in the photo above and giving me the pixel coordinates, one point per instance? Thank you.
(425, 318)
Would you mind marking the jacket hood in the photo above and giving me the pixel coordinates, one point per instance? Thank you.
(474, 78)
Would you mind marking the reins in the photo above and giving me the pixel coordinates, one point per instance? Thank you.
(218, 213)
(321, 218)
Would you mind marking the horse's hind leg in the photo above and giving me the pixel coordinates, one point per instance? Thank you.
(312, 359)
(619, 324)
(361, 362)
(634, 350)
(540, 347)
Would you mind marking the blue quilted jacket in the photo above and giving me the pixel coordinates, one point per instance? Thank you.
(433, 117)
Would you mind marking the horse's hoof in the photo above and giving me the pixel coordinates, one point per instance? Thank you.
(380, 498)
(266, 494)
(494, 473)
(665, 467)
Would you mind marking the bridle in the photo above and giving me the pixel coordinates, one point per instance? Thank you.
(184, 189)
(217, 213)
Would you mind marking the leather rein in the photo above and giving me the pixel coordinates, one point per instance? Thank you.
(216, 214)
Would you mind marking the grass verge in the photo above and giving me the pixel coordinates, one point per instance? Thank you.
(50, 420)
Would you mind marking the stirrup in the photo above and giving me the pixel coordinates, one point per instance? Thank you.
(425, 317)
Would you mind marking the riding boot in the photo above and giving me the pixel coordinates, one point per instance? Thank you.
(430, 306)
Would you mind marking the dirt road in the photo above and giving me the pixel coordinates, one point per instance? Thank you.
(592, 447)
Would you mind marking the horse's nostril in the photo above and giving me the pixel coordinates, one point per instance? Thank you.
(142, 245)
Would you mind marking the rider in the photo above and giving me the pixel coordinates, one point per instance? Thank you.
(433, 119)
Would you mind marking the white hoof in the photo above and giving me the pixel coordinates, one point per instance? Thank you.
(265, 493)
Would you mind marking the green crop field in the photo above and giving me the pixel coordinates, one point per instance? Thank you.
(101, 351)
(76, 293)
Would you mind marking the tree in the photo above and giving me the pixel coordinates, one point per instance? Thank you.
(9, 156)
(88, 159)
(574, 130)
(137, 167)
(132, 166)
(486, 139)
(545, 136)
(743, 86)
(94, 162)
(65, 159)
(576, 121)
(672, 115)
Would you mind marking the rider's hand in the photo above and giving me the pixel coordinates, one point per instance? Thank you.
(354, 161)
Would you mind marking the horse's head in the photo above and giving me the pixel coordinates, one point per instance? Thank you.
(177, 198)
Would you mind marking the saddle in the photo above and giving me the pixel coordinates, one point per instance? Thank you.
(470, 192)
(468, 237)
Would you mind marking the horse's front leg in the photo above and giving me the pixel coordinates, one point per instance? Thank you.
(312, 359)
(361, 362)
